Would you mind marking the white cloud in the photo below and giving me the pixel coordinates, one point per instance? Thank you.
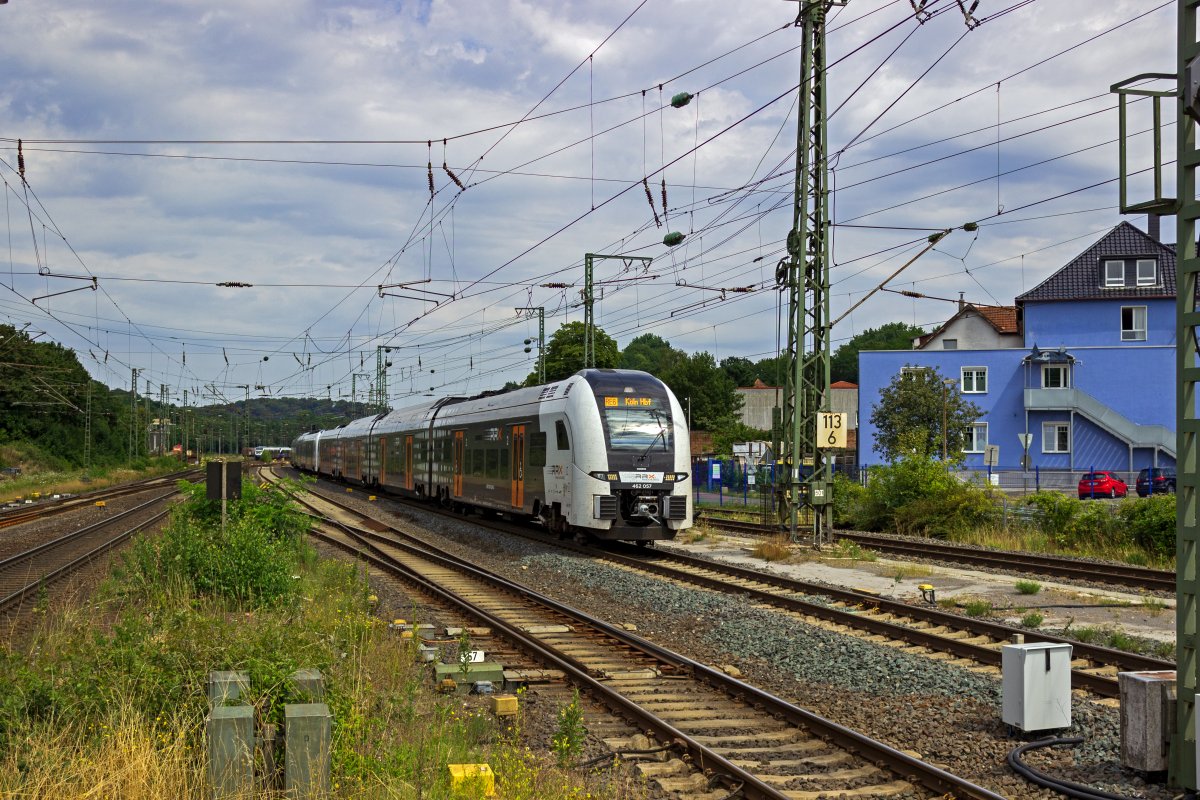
(373, 70)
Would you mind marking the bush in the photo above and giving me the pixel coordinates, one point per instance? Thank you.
(848, 497)
(250, 562)
(1150, 522)
(922, 497)
(1072, 523)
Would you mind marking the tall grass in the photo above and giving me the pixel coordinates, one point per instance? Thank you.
(108, 700)
(74, 481)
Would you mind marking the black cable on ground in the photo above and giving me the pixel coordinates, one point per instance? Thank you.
(624, 754)
(1069, 788)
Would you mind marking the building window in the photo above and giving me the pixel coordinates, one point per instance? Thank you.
(1056, 376)
(1114, 273)
(1147, 272)
(974, 380)
(1056, 437)
(976, 438)
(912, 372)
(949, 344)
(1133, 323)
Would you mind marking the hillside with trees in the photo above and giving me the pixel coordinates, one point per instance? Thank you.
(48, 398)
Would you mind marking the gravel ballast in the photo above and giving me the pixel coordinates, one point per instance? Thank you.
(946, 713)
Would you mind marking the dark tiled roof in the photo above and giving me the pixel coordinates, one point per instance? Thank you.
(1083, 279)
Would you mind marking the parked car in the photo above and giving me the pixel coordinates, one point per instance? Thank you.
(1101, 484)
(1155, 479)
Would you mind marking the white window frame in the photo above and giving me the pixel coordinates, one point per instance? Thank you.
(1111, 280)
(1066, 375)
(1050, 442)
(1134, 333)
(976, 373)
(912, 372)
(1150, 279)
(974, 443)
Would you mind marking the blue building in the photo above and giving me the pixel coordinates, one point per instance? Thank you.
(1078, 374)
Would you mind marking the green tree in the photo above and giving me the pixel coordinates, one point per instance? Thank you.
(740, 370)
(909, 416)
(714, 399)
(650, 353)
(728, 435)
(564, 353)
(843, 364)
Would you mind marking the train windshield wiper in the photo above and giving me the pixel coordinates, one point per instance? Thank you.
(662, 434)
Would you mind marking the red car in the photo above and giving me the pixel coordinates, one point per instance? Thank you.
(1101, 484)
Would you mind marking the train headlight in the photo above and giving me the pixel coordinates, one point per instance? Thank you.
(605, 476)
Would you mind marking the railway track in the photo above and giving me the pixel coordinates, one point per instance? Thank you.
(978, 641)
(1063, 567)
(41, 510)
(26, 574)
(723, 732)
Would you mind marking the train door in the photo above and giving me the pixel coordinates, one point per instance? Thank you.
(459, 452)
(517, 434)
(382, 461)
(408, 462)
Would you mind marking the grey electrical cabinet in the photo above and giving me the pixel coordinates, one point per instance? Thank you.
(1036, 685)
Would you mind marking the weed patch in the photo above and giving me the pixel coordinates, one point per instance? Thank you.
(775, 548)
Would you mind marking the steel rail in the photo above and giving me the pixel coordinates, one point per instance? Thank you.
(14, 598)
(1080, 679)
(40, 510)
(902, 764)
(1054, 566)
(998, 632)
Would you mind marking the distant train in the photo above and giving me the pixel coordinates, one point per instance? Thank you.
(603, 454)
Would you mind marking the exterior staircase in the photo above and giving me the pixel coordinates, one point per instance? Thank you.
(1136, 435)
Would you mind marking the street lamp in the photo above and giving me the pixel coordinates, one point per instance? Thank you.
(948, 383)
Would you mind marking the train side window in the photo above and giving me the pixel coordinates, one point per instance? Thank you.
(477, 456)
(537, 449)
(504, 475)
(493, 460)
(560, 430)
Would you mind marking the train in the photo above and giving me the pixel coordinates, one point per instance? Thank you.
(602, 455)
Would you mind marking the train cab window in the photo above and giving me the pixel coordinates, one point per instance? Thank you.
(560, 430)
(537, 449)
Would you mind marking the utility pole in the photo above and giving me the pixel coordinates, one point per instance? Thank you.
(133, 412)
(1184, 100)
(589, 301)
(381, 365)
(87, 429)
(245, 432)
(805, 275)
(164, 418)
(541, 312)
(354, 376)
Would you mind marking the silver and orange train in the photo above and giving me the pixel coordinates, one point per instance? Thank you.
(601, 455)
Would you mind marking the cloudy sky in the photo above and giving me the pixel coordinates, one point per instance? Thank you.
(175, 146)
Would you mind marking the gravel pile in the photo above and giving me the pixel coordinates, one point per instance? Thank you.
(948, 714)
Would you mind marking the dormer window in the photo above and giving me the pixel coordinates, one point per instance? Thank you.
(1114, 273)
(1147, 272)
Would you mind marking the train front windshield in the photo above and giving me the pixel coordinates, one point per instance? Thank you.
(638, 428)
